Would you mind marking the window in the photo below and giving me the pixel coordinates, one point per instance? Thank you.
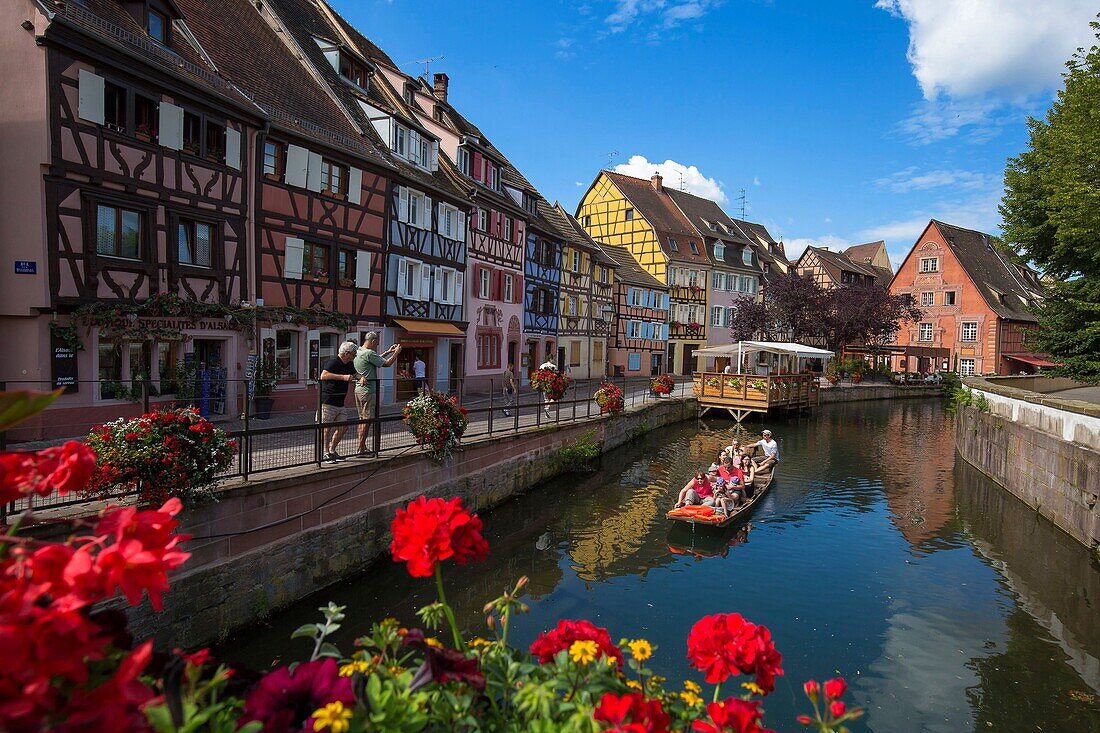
(587, 221)
(110, 370)
(490, 175)
(166, 367)
(274, 158)
(571, 305)
(603, 275)
(694, 248)
(966, 367)
(315, 262)
(345, 266)
(930, 264)
(927, 299)
(576, 266)
(194, 243)
(445, 286)
(215, 142)
(114, 107)
(286, 357)
(192, 133)
(119, 232)
(746, 256)
(484, 286)
(425, 157)
(949, 297)
(509, 288)
(672, 245)
(693, 278)
(508, 228)
(488, 351)
(156, 23)
(634, 329)
(717, 280)
(462, 160)
(451, 224)
(729, 317)
(716, 315)
(970, 331)
(333, 176)
(400, 140)
(846, 277)
(924, 332)
(597, 352)
(574, 353)
(352, 71)
(483, 220)
(629, 214)
(719, 251)
(327, 343)
(411, 280)
(636, 297)
(145, 117)
(546, 252)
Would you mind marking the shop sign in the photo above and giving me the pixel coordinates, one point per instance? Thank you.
(63, 365)
(179, 324)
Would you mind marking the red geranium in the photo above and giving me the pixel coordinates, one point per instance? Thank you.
(732, 716)
(835, 688)
(283, 701)
(428, 531)
(61, 468)
(631, 712)
(726, 645)
(549, 643)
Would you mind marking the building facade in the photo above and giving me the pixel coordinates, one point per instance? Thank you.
(859, 264)
(977, 306)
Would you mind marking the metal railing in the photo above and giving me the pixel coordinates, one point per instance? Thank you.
(290, 435)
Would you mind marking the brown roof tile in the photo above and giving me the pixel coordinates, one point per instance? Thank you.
(663, 215)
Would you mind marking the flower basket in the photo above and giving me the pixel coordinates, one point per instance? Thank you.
(437, 422)
(162, 454)
(663, 384)
(610, 399)
(551, 383)
(714, 382)
(759, 385)
(733, 383)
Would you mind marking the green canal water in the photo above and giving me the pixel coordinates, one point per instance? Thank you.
(947, 604)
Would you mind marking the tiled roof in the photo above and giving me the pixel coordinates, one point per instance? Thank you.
(842, 262)
(1006, 287)
(702, 212)
(665, 217)
(577, 236)
(867, 253)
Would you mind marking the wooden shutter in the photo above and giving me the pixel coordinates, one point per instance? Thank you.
(458, 289)
(460, 232)
(170, 132)
(233, 148)
(425, 282)
(294, 251)
(437, 290)
(498, 285)
(426, 214)
(433, 164)
(313, 172)
(362, 269)
(402, 204)
(355, 185)
(402, 276)
(90, 97)
(517, 289)
(297, 165)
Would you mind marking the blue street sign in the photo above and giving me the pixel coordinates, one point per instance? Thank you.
(26, 267)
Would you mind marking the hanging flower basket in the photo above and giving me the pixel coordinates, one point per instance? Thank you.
(550, 382)
(610, 398)
(437, 422)
(663, 384)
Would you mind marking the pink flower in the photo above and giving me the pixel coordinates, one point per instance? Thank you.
(283, 702)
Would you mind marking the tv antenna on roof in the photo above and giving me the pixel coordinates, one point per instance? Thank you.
(681, 180)
(427, 64)
(611, 157)
(741, 200)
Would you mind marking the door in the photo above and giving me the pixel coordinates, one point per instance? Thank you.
(456, 367)
(513, 347)
(671, 357)
(532, 358)
(210, 377)
(561, 358)
(655, 365)
(689, 359)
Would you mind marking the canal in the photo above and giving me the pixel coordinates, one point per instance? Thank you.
(947, 604)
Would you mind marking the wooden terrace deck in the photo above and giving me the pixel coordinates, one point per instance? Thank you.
(743, 394)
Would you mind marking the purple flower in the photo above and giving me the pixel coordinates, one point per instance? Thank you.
(443, 665)
(283, 701)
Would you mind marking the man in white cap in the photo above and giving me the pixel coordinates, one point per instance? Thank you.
(770, 448)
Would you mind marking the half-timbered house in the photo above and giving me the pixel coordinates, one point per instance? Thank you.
(542, 265)
(425, 237)
(829, 269)
(769, 251)
(641, 216)
(126, 183)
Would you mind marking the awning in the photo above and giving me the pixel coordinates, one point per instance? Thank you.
(1033, 359)
(429, 328)
(771, 347)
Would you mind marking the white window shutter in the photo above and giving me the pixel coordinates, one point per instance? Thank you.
(384, 126)
(297, 163)
(170, 133)
(90, 96)
(362, 269)
(402, 204)
(355, 185)
(441, 218)
(233, 148)
(425, 283)
(402, 276)
(437, 292)
(313, 172)
(460, 219)
(414, 146)
(426, 214)
(293, 255)
(434, 163)
(457, 295)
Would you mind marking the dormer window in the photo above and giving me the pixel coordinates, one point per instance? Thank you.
(694, 248)
(746, 256)
(156, 25)
(462, 160)
(353, 71)
(672, 245)
(719, 252)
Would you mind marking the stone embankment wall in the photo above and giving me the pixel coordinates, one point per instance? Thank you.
(269, 543)
(861, 392)
(1044, 450)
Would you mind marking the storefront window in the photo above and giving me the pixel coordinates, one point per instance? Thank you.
(286, 356)
(110, 371)
(327, 343)
(166, 367)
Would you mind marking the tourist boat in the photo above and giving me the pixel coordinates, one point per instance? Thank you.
(684, 540)
(707, 517)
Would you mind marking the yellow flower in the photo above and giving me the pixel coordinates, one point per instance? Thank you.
(433, 642)
(333, 716)
(584, 651)
(479, 642)
(610, 661)
(690, 698)
(753, 687)
(657, 680)
(634, 684)
(360, 665)
(692, 686)
(640, 649)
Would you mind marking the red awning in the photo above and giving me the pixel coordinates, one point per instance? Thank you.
(1033, 359)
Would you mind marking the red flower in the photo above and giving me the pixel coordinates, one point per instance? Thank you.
(130, 435)
(631, 712)
(428, 531)
(726, 645)
(732, 716)
(443, 665)
(283, 701)
(838, 708)
(143, 552)
(115, 705)
(812, 689)
(835, 688)
(61, 468)
(549, 643)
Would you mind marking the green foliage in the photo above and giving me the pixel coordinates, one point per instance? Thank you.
(67, 335)
(266, 376)
(318, 632)
(577, 455)
(15, 407)
(965, 396)
(1069, 327)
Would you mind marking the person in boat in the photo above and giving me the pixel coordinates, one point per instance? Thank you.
(734, 449)
(727, 496)
(700, 490)
(748, 475)
(770, 449)
(729, 470)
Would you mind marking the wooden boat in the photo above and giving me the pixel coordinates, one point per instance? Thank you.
(684, 540)
(702, 516)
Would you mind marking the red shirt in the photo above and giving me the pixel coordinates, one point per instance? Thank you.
(730, 475)
(703, 488)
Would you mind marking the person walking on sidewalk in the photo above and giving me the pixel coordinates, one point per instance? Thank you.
(420, 372)
(366, 363)
(337, 373)
(510, 391)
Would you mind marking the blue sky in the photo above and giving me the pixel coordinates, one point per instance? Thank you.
(844, 121)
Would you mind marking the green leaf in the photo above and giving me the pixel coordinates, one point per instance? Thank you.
(308, 631)
(17, 406)
(329, 650)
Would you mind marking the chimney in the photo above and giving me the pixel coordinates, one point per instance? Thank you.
(441, 87)
(657, 180)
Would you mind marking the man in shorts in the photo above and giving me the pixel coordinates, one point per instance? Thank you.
(337, 373)
(771, 451)
(366, 363)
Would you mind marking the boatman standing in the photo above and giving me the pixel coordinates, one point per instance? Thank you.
(770, 448)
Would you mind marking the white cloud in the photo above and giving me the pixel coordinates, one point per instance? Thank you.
(564, 45)
(756, 180)
(656, 14)
(796, 246)
(912, 179)
(673, 173)
(578, 183)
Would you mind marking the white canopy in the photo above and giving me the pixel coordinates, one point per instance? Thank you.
(772, 347)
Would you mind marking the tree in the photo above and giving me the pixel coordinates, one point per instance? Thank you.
(1051, 212)
(750, 321)
(864, 313)
(794, 306)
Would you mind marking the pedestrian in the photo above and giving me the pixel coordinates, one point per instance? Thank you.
(510, 390)
(337, 373)
(420, 372)
(728, 369)
(770, 448)
(366, 363)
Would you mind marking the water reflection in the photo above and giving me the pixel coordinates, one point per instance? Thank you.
(873, 555)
